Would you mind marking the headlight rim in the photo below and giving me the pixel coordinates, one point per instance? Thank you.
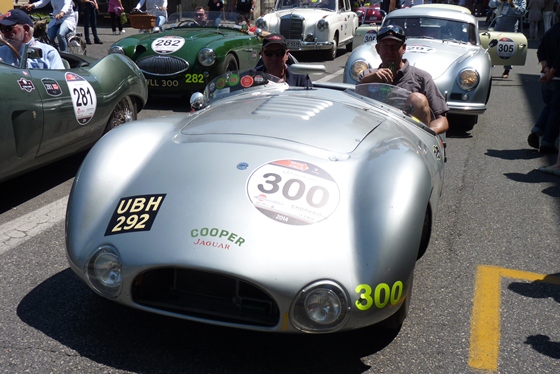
(92, 276)
(355, 75)
(461, 81)
(116, 49)
(203, 59)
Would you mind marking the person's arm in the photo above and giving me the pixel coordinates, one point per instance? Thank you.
(140, 4)
(164, 5)
(381, 75)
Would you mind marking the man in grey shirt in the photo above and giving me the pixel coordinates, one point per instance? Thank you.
(428, 103)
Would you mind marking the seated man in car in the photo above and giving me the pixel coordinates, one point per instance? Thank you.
(427, 103)
(17, 27)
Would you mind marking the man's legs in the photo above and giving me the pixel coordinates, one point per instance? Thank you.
(87, 19)
(52, 32)
(62, 42)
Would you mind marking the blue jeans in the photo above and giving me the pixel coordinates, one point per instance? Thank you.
(58, 33)
(548, 124)
(90, 18)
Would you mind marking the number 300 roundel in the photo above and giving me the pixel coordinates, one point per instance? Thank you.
(293, 192)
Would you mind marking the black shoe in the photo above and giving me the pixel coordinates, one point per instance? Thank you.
(548, 149)
(98, 42)
(88, 42)
(505, 73)
(533, 140)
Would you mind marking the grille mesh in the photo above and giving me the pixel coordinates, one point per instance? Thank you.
(291, 27)
(162, 65)
(205, 295)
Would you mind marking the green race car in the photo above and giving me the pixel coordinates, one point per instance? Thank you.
(48, 114)
(186, 55)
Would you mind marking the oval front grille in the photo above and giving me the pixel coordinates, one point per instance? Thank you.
(162, 65)
(205, 295)
(291, 27)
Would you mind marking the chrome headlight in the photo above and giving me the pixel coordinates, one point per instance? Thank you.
(104, 271)
(116, 49)
(206, 57)
(468, 79)
(261, 24)
(323, 24)
(357, 68)
(320, 307)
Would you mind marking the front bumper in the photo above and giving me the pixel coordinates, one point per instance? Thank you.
(465, 108)
(298, 45)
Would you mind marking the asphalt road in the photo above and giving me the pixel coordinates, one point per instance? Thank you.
(486, 294)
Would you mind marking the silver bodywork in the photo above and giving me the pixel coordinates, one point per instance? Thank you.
(223, 241)
(446, 56)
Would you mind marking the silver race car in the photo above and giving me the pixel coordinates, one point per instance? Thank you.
(271, 208)
(444, 40)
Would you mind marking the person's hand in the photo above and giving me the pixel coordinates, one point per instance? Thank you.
(382, 75)
(164, 8)
(27, 7)
(59, 15)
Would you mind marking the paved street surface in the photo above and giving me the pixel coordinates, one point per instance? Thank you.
(485, 299)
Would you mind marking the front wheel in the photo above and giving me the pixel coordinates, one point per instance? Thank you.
(230, 64)
(76, 45)
(331, 53)
(124, 111)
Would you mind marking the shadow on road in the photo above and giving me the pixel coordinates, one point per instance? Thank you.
(63, 308)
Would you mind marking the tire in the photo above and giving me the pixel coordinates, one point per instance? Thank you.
(230, 64)
(461, 123)
(76, 45)
(124, 111)
(331, 53)
(350, 46)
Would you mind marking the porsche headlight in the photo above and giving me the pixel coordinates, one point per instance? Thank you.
(261, 24)
(468, 79)
(322, 25)
(320, 307)
(116, 49)
(357, 68)
(207, 57)
(104, 271)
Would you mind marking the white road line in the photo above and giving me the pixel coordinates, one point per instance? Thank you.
(23, 228)
(330, 76)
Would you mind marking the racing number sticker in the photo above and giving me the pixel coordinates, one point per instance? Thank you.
(505, 48)
(167, 44)
(135, 213)
(293, 192)
(382, 295)
(370, 36)
(84, 99)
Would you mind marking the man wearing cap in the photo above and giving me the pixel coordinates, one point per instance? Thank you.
(274, 56)
(425, 98)
(17, 27)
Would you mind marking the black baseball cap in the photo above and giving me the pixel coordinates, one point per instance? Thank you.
(16, 17)
(391, 32)
(275, 39)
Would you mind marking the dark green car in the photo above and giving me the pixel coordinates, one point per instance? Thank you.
(48, 114)
(186, 55)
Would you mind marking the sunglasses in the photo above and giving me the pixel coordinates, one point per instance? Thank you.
(274, 53)
(7, 28)
(199, 14)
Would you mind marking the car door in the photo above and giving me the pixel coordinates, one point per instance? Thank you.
(347, 32)
(511, 48)
(21, 128)
(70, 102)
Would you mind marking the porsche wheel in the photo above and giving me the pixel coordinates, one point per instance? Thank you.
(230, 64)
(124, 111)
(331, 53)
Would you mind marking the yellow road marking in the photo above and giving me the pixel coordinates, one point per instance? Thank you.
(485, 322)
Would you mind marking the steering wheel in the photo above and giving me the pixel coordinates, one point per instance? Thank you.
(15, 51)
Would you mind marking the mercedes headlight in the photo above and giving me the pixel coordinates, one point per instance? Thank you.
(323, 24)
(320, 307)
(116, 49)
(206, 57)
(357, 68)
(104, 271)
(468, 79)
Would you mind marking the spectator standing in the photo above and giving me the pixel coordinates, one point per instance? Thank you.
(548, 123)
(156, 8)
(535, 15)
(217, 5)
(90, 14)
(64, 21)
(245, 6)
(509, 12)
(115, 9)
(548, 14)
